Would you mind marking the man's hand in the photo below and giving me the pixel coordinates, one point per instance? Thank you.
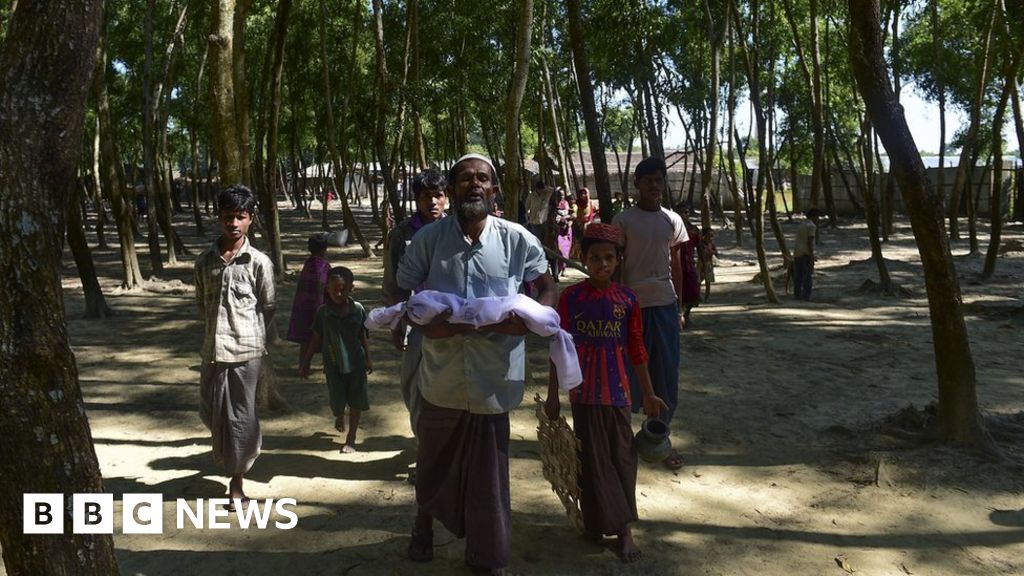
(653, 406)
(303, 371)
(682, 320)
(511, 326)
(439, 327)
(369, 366)
(398, 336)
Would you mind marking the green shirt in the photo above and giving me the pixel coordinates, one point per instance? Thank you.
(340, 334)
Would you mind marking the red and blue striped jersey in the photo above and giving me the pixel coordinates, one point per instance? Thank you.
(606, 327)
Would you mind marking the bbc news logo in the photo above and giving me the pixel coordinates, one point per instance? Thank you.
(144, 513)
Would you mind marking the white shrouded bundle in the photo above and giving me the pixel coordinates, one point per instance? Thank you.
(542, 320)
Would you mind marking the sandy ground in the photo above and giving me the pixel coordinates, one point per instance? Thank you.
(780, 406)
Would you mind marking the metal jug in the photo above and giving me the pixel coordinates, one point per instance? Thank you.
(652, 442)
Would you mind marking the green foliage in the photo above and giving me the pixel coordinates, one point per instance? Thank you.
(465, 67)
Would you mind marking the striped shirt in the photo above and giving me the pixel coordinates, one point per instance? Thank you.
(606, 325)
(232, 298)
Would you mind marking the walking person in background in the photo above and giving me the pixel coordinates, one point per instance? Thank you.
(310, 292)
(650, 233)
(803, 256)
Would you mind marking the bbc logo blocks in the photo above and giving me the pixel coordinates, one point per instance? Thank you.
(144, 514)
(92, 514)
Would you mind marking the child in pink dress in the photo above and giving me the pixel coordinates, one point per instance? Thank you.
(309, 295)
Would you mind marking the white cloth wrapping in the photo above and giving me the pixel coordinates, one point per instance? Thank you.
(542, 320)
(380, 318)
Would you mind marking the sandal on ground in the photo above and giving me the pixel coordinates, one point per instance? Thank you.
(673, 461)
(244, 501)
(421, 546)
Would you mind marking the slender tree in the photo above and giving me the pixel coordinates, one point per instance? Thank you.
(110, 176)
(938, 72)
(347, 217)
(716, 35)
(960, 181)
(752, 62)
(958, 416)
(95, 303)
(270, 180)
(148, 154)
(577, 43)
(513, 177)
(995, 206)
(871, 211)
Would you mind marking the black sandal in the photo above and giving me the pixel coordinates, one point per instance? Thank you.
(421, 546)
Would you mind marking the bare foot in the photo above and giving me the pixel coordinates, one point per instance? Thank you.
(339, 424)
(235, 488)
(673, 461)
(628, 550)
(348, 449)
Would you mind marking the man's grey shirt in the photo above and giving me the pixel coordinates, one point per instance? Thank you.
(480, 373)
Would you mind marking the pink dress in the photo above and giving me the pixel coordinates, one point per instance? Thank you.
(564, 229)
(309, 296)
(689, 291)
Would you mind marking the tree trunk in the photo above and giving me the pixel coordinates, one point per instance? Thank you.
(595, 141)
(395, 160)
(958, 416)
(560, 149)
(938, 72)
(148, 159)
(226, 133)
(513, 181)
(45, 67)
(270, 180)
(753, 64)
(766, 147)
(346, 212)
(734, 186)
(971, 200)
(95, 303)
(381, 108)
(961, 180)
(888, 199)
(97, 186)
(112, 181)
(241, 90)
(194, 144)
(715, 37)
(995, 205)
(163, 174)
(871, 209)
(419, 146)
(194, 182)
(1018, 126)
(811, 68)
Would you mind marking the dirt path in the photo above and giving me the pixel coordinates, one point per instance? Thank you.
(779, 405)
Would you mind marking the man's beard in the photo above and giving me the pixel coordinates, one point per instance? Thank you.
(473, 210)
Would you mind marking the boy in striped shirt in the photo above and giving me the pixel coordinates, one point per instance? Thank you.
(604, 319)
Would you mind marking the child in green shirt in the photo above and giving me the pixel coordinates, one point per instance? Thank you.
(339, 333)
